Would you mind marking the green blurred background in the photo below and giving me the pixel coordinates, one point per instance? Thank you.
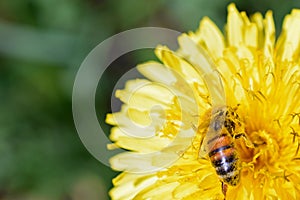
(42, 44)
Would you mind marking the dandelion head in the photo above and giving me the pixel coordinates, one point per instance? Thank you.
(260, 79)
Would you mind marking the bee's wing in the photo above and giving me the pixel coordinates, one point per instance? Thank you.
(203, 151)
(207, 70)
(214, 130)
(208, 142)
(202, 63)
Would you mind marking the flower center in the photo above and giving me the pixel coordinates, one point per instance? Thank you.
(260, 153)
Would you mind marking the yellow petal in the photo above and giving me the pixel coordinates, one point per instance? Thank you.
(145, 95)
(128, 185)
(158, 192)
(288, 42)
(157, 72)
(269, 42)
(234, 26)
(212, 38)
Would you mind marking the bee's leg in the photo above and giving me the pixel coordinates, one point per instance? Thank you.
(246, 139)
(198, 146)
(239, 135)
(194, 127)
(201, 153)
(224, 189)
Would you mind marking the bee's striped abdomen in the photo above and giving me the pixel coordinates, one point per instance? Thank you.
(224, 159)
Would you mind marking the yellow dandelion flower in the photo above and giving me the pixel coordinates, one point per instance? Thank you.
(261, 81)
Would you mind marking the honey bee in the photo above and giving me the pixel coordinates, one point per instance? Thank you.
(223, 127)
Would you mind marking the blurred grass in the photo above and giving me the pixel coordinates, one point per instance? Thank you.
(42, 44)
